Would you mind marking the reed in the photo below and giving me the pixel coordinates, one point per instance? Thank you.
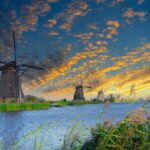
(131, 133)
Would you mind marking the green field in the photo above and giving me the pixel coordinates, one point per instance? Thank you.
(41, 105)
(74, 103)
(23, 106)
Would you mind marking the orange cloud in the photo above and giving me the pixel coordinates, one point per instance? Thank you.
(113, 23)
(130, 13)
(51, 23)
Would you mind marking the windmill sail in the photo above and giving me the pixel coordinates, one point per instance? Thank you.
(133, 91)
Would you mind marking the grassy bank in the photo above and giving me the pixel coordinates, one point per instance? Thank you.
(41, 105)
(23, 106)
(74, 103)
(133, 133)
(124, 136)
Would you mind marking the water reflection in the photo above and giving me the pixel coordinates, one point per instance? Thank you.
(11, 125)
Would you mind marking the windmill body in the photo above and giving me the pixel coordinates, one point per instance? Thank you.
(10, 86)
(10, 83)
(101, 96)
(79, 90)
(79, 94)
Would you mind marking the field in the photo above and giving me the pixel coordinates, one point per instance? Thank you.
(41, 105)
(74, 103)
(23, 106)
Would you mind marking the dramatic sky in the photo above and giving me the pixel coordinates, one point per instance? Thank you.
(108, 41)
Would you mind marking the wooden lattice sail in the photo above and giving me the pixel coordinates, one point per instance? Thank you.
(10, 83)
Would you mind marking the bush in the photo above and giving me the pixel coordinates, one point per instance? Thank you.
(3, 107)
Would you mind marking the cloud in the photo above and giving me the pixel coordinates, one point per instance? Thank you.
(140, 1)
(51, 23)
(53, 33)
(111, 3)
(113, 23)
(75, 9)
(121, 83)
(112, 28)
(130, 13)
(93, 26)
(84, 36)
(115, 2)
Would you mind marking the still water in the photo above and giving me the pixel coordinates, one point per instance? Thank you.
(17, 126)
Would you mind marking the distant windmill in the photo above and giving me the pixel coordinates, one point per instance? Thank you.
(79, 93)
(101, 96)
(10, 83)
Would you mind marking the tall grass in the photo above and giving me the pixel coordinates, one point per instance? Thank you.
(133, 133)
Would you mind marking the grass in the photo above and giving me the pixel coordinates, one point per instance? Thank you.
(133, 133)
(23, 106)
(41, 105)
(124, 136)
(74, 103)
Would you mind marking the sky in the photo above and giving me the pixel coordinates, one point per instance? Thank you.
(108, 41)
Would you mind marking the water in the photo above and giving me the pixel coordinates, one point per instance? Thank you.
(14, 126)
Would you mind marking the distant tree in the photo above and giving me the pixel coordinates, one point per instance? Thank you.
(31, 98)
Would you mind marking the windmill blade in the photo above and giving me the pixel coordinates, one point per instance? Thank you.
(87, 86)
(14, 46)
(32, 67)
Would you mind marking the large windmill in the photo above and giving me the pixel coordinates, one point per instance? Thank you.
(10, 83)
(79, 90)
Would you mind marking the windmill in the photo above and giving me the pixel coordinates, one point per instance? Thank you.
(101, 96)
(79, 90)
(10, 83)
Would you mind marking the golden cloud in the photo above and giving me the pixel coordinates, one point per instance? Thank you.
(51, 23)
(113, 23)
(130, 13)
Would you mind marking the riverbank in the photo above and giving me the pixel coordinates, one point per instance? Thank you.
(6, 107)
(73, 103)
(133, 132)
